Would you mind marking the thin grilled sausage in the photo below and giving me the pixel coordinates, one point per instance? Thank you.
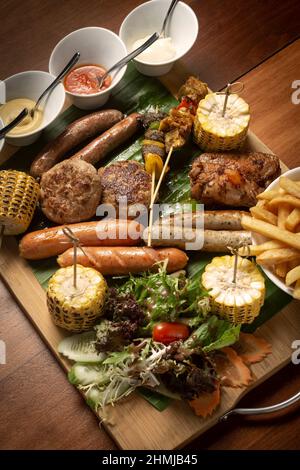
(109, 140)
(74, 134)
(114, 261)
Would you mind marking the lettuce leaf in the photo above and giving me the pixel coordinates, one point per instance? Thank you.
(213, 334)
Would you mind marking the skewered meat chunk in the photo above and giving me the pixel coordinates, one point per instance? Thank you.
(194, 89)
(232, 179)
(125, 179)
(152, 117)
(177, 128)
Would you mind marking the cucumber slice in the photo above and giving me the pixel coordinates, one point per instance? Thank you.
(94, 398)
(81, 348)
(85, 374)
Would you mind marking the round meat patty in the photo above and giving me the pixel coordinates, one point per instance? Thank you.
(70, 192)
(125, 179)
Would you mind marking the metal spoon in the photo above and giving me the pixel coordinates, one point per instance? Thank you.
(169, 12)
(129, 57)
(13, 123)
(57, 80)
(264, 410)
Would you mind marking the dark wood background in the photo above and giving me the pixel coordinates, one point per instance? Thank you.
(252, 40)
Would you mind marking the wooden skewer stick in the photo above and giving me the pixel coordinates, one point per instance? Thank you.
(153, 198)
(2, 227)
(151, 212)
(69, 233)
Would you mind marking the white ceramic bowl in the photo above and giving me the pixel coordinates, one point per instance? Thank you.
(257, 238)
(1, 140)
(30, 85)
(147, 18)
(96, 46)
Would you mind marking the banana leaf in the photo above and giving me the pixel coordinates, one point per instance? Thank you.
(139, 93)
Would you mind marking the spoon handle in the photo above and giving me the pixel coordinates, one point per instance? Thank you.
(264, 410)
(13, 123)
(132, 55)
(61, 75)
(169, 12)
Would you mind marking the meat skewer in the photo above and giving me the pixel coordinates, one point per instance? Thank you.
(177, 127)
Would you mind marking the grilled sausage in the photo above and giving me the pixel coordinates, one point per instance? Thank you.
(214, 240)
(109, 140)
(213, 220)
(113, 261)
(74, 134)
(52, 241)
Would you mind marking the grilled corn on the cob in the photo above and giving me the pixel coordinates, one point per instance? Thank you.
(19, 194)
(239, 302)
(76, 309)
(212, 131)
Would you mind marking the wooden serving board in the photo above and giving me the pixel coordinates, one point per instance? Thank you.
(134, 423)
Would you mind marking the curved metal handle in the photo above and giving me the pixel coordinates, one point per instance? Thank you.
(59, 77)
(263, 410)
(169, 12)
(13, 123)
(129, 57)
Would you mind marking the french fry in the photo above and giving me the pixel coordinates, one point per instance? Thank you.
(283, 213)
(296, 293)
(269, 195)
(292, 276)
(284, 199)
(281, 269)
(278, 255)
(263, 214)
(254, 250)
(289, 186)
(261, 203)
(271, 231)
(293, 219)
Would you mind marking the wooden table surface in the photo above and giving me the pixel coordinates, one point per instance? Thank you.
(254, 41)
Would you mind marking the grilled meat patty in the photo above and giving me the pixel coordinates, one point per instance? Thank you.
(125, 179)
(232, 179)
(70, 192)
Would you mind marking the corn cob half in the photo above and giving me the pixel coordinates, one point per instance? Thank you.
(76, 309)
(212, 131)
(238, 302)
(19, 194)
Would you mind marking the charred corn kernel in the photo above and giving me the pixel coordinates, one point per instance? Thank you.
(238, 302)
(19, 194)
(212, 131)
(153, 162)
(76, 309)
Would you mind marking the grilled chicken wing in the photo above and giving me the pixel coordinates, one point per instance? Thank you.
(232, 179)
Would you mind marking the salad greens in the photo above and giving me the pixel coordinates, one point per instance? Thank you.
(122, 355)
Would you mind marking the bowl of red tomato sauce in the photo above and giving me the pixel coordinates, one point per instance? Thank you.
(99, 49)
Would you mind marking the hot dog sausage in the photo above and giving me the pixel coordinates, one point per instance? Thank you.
(213, 220)
(74, 134)
(52, 241)
(109, 140)
(113, 261)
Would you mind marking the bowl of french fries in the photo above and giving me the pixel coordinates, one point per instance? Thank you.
(275, 226)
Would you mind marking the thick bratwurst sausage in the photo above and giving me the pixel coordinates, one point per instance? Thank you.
(114, 261)
(52, 241)
(74, 134)
(109, 140)
(214, 240)
(213, 220)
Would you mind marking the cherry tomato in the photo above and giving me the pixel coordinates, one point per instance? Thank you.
(166, 332)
